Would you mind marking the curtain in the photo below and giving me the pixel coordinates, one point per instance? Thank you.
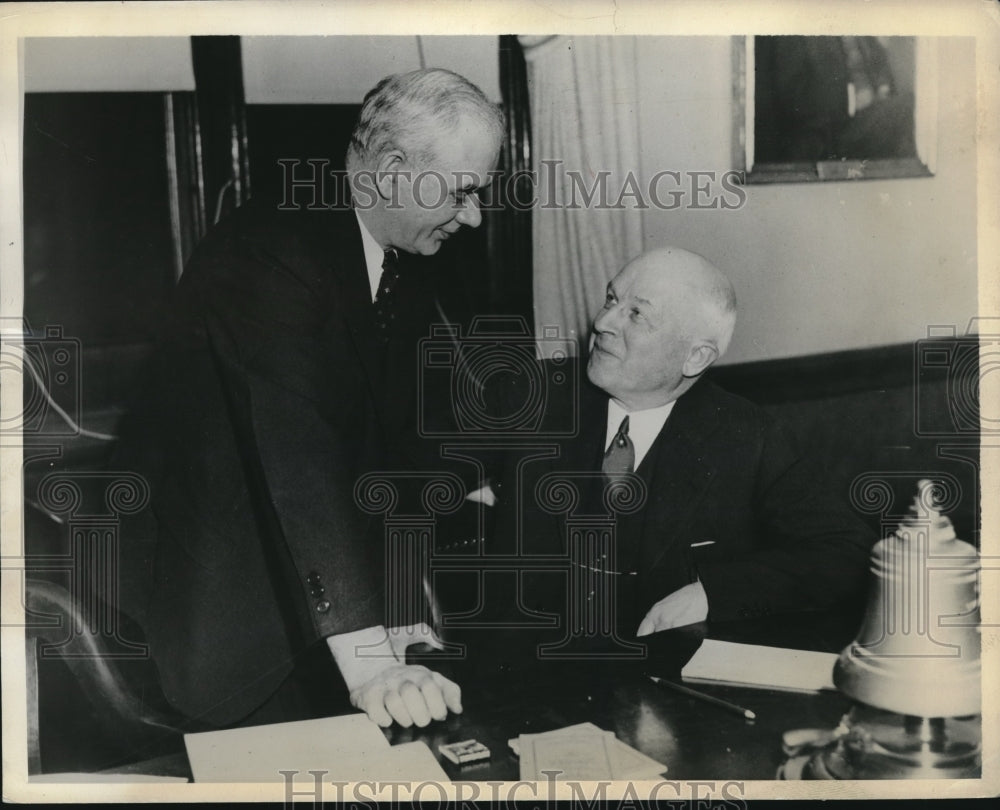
(585, 145)
(509, 224)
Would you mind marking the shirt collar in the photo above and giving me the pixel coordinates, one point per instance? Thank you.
(643, 426)
(374, 255)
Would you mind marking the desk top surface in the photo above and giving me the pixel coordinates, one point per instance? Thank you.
(694, 739)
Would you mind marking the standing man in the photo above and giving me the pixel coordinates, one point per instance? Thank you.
(289, 371)
(730, 520)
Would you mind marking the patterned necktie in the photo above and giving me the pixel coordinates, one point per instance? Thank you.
(383, 297)
(620, 456)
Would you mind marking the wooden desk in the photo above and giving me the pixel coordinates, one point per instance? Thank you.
(694, 739)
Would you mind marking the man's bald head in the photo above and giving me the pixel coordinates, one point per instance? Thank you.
(710, 295)
(669, 314)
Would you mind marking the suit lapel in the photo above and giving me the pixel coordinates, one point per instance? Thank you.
(401, 364)
(678, 476)
(579, 456)
(336, 237)
(582, 454)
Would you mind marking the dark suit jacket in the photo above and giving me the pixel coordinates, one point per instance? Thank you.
(269, 397)
(720, 473)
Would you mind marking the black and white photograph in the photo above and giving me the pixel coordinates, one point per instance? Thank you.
(502, 402)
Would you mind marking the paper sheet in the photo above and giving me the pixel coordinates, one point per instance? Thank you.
(100, 778)
(408, 762)
(351, 745)
(581, 756)
(628, 763)
(625, 761)
(766, 667)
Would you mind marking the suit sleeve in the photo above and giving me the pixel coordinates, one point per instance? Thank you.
(810, 552)
(302, 419)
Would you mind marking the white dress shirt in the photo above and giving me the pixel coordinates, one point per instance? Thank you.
(392, 642)
(374, 256)
(643, 426)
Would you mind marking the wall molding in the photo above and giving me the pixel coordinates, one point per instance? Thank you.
(817, 376)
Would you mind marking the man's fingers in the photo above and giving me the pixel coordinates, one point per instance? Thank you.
(409, 695)
(451, 692)
(415, 704)
(434, 699)
(398, 708)
(370, 701)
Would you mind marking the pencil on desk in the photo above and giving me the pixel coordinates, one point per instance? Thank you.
(722, 704)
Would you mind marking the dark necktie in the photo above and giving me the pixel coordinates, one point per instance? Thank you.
(384, 313)
(620, 456)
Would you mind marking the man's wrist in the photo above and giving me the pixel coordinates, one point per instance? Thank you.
(361, 654)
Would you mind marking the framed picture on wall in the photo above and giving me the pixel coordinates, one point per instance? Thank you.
(812, 108)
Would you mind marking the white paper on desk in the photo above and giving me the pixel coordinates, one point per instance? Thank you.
(766, 667)
(626, 762)
(407, 762)
(100, 778)
(258, 753)
(581, 756)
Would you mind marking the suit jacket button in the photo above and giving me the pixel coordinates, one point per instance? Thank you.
(322, 607)
(317, 591)
(313, 578)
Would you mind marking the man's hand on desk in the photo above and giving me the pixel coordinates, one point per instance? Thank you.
(407, 694)
(686, 605)
(385, 687)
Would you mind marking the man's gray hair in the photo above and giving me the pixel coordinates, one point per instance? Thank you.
(723, 298)
(407, 111)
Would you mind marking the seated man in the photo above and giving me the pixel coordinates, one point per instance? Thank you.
(719, 515)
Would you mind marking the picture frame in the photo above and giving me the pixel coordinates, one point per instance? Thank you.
(778, 135)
